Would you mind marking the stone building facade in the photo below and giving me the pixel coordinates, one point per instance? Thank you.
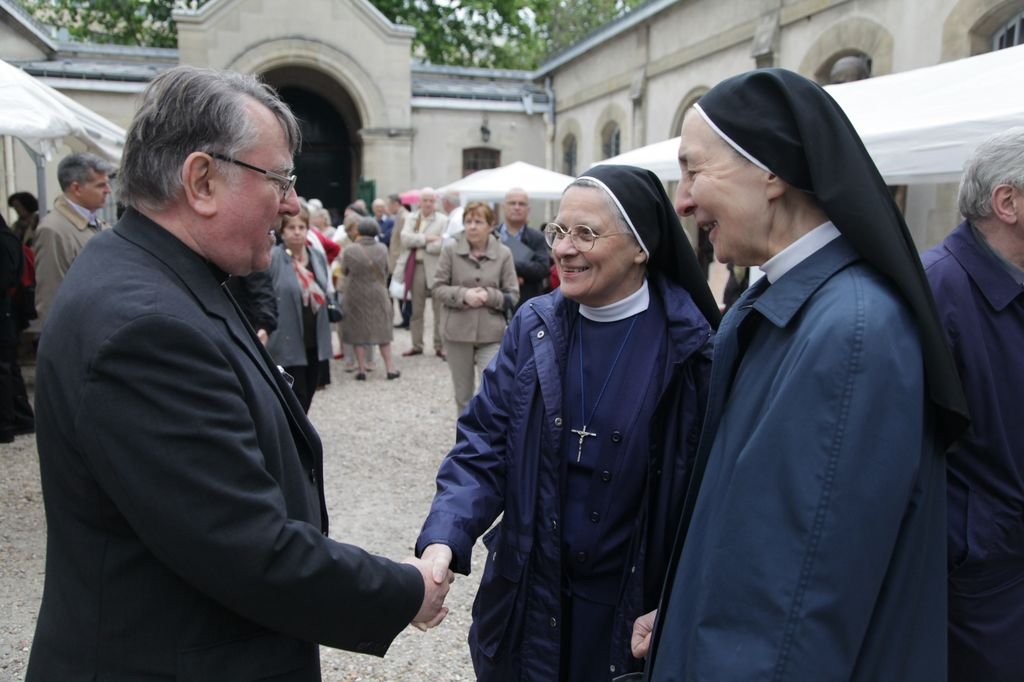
(377, 121)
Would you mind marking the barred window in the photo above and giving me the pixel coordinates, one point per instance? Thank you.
(1011, 33)
(479, 158)
(611, 144)
(569, 155)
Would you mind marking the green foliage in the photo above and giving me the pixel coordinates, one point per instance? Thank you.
(500, 33)
(508, 34)
(120, 22)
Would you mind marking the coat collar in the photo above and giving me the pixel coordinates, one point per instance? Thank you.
(462, 246)
(989, 276)
(781, 301)
(687, 328)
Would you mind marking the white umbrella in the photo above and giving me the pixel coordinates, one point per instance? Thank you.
(492, 183)
(42, 118)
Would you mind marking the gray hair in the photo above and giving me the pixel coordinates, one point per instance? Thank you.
(80, 167)
(999, 160)
(590, 183)
(367, 227)
(188, 109)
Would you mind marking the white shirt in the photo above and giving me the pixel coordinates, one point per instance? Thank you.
(797, 252)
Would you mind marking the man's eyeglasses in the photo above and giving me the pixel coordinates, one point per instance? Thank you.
(284, 182)
(583, 238)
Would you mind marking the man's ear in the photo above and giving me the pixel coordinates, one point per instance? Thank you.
(1005, 204)
(201, 183)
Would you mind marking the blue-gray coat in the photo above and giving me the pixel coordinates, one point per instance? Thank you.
(816, 549)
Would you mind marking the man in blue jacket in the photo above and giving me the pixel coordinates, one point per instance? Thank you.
(812, 546)
(977, 276)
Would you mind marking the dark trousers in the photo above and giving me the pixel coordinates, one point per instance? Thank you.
(15, 410)
(305, 378)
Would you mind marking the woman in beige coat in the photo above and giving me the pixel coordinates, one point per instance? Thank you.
(476, 284)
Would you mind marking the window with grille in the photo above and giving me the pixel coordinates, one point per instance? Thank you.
(569, 155)
(1012, 33)
(479, 158)
(611, 141)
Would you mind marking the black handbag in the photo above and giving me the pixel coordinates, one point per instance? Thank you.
(334, 313)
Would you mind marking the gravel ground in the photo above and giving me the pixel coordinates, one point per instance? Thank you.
(383, 441)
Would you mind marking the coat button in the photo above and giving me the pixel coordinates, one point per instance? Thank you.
(616, 437)
(558, 421)
(312, 476)
(595, 517)
(606, 476)
(540, 334)
(611, 668)
(554, 622)
(554, 524)
(581, 557)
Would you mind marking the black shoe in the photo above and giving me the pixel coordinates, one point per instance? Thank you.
(394, 375)
(6, 436)
(24, 429)
(361, 377)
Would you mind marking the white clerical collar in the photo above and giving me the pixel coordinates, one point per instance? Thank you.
(636, 302)
(791, 256)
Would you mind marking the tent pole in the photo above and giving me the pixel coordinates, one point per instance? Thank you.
(40, 162)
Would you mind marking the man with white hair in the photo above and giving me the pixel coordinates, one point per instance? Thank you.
(451, 205)
(977, 277)
(422, 237)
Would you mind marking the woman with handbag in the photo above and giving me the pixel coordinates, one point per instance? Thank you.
(476, 284)
(366, 305)
(302, 339)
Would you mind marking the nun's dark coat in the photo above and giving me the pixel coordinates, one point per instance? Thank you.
(816, 548)
(507, 458)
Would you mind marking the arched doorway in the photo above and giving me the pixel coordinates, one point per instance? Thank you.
(330, 160)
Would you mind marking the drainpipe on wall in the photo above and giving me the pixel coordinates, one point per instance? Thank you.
(551, 123)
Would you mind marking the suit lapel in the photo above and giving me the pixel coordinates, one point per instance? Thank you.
(196, 276)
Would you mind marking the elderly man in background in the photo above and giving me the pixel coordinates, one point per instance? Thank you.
(396, 209)
(529, 250)
(812, 543)
(183, 485)
(63, 232)
(422, 238)
(451, 205)
(977, 276)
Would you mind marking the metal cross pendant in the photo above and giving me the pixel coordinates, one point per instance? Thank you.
(582, 433)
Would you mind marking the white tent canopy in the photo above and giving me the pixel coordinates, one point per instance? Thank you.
(919, 126)
(42, 118)
(491, 184)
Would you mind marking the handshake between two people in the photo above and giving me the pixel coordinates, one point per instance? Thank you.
(433, 565)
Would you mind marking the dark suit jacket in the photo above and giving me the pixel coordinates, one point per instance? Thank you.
(183, 488)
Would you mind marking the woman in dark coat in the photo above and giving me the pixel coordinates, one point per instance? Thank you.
(366, 304)
(302, 339)
(582, 436)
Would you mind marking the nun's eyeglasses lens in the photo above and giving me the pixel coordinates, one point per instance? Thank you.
(582, 237)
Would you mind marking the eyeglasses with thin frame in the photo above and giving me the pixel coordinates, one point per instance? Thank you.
(582, 237)
(284, 182)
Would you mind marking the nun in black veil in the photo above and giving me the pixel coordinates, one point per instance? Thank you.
(815, 547)
(582, 439)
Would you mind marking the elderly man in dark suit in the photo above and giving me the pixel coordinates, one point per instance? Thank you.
(187, 529)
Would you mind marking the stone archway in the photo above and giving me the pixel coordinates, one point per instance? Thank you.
(968, 29)
(330, 160)
(849, 36)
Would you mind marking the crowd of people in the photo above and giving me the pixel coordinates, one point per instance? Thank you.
(825, 483)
